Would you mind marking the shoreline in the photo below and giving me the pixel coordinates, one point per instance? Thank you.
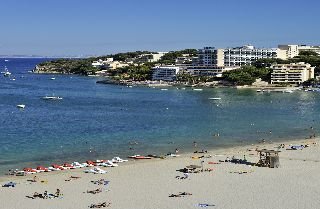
(150, 183)
(225, 150)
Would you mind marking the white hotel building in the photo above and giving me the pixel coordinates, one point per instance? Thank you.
(237, 56)
(164, 73)
(248, 54)
(294, 73)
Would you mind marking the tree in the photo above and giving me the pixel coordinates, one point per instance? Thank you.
(308, 53)
(246, 75)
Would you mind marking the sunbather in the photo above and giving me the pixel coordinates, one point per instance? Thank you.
(174, 195)
(185, 193)
(100, 205)
(95, 191)
(58, 193)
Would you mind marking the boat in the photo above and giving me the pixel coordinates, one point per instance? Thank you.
(197, 89)
(52, 98)
(22, 106)
(164, 89)
(53, 78)
(6, 60)
(258, 90)
(288, 91)
(6, 73)
(214, 98)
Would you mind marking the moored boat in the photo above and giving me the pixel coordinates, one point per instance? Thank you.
(52, 98)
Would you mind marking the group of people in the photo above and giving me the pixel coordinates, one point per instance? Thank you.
(45, 195)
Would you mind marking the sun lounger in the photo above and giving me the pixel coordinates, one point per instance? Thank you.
(118, 160)
(95, 170)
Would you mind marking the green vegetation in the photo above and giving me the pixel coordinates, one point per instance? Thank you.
(246, 75)
(308, 57)
(136, 73)
(69, 66)
(169, 58)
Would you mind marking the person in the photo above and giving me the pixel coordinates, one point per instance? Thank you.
(35, 195)
(35, 179)
(177, 150)
(195, 144)
(57, 194)
(45, 195)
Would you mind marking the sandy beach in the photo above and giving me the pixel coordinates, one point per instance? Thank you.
(148, 183)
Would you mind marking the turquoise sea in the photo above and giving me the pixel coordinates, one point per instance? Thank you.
(96, 121)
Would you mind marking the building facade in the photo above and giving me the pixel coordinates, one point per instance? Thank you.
(209, 56)
(293, 50)
(165, 73)
(294, 73)
(209, 71)
(248, 54)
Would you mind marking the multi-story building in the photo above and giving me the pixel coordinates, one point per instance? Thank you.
(165, 73)
(209, 71)
(293, 50)
(101, 63)
(290, 50)
(315, 49)
(294, 73)
(209, 56)
(245, 55)
(150, 57)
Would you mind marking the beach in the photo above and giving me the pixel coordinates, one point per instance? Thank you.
(148, 183)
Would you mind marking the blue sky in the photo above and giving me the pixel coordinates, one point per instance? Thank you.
(95, 27)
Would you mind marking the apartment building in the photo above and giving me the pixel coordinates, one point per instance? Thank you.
(293, 50)
(165, 73)
(248, 54)
(213, 71)
(210, 56)
(294, 73)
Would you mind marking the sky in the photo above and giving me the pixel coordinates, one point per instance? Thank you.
(99, 27)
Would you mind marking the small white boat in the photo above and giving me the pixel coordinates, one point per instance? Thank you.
(214, 98)
(53, 78)
(6, 60)
(259, 90)
(164, 89)
(21, 106)
(288, 91)
(197, 89)
(6, 73)
(52, 98)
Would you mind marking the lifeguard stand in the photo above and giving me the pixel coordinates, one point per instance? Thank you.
(268, 158)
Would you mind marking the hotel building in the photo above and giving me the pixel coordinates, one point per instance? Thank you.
(248, 54)
(294, 50)
(165, 73)
(294, 73)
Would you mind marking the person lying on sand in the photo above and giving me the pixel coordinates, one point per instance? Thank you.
(73, 177)
(94, 191)
(181, 194)
(100, 205)
(37, 195)
(184, 193)
(175, 195)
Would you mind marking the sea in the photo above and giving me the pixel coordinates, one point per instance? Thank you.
(100, 121)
